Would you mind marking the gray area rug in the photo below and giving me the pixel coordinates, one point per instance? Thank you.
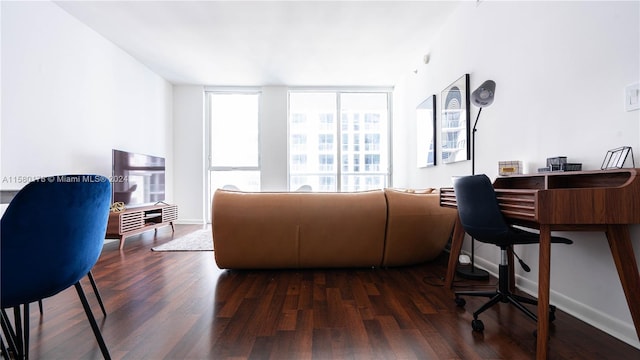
(199, 240)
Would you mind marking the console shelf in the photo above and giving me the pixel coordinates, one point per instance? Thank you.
(138, 220)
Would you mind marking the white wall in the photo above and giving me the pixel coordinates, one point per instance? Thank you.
(188, 135)
(274, 138)
(560, 70)
(69, 96)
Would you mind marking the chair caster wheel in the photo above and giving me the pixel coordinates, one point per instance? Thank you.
(477, 325)
(460, 302)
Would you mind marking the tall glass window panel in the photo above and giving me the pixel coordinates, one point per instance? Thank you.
(233, 146)
(234, 130)
(367, 115)
(359, 121)
(312, 140)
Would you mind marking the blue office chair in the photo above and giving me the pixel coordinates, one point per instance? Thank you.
(482, 219)
(51, 235)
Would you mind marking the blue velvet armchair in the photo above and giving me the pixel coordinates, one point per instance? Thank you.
(51, 235)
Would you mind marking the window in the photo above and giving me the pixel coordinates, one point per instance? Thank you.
(326, 122)
(299, 162)
(325, 142)
(341, 131)
(232, 146)
(372, 121)
(372, 162)
(298, 119)
(372, 142)
(325, 163)
(299, 143)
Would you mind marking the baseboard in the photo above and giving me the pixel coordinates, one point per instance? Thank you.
(596, 318)
(190, 222)
(619, 329)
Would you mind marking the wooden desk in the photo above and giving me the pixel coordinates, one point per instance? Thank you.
(607, 201)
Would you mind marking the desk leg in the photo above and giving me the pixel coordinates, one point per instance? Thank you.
(625, 260)
(456, 245)
(542, 349)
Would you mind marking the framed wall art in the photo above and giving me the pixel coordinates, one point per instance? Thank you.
(455, 121)
(426, 132)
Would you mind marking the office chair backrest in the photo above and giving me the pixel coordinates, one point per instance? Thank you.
(478, 209)
(51, 235)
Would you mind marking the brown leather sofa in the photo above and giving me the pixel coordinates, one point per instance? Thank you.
(261, 230)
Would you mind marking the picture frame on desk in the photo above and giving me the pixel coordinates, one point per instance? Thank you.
(455, 121)
(615, 158)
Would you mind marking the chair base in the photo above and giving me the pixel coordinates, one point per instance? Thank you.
(504, 295)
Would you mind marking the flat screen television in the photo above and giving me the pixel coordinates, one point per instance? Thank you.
(137, 179)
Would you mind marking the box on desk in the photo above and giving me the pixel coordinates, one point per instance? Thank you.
(559, 163)
(509, 168)
(556, 163)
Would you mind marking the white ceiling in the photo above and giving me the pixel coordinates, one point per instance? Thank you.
(254, 43)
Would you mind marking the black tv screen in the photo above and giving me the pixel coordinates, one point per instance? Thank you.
(137, 179)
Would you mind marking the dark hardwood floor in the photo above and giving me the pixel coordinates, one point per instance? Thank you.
(179, 305)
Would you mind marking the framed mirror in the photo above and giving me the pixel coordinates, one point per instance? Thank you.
(426, 132)
(455, 121)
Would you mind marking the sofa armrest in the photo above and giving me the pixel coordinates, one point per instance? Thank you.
(417, 227)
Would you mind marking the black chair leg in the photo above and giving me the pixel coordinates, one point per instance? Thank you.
(488, 294)
(522, 308)
(95, 291)
(26, 330)
(494, 300)
(9, 334)
(92, 321)
(3, 350)
(525, 300)
(19, 332)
